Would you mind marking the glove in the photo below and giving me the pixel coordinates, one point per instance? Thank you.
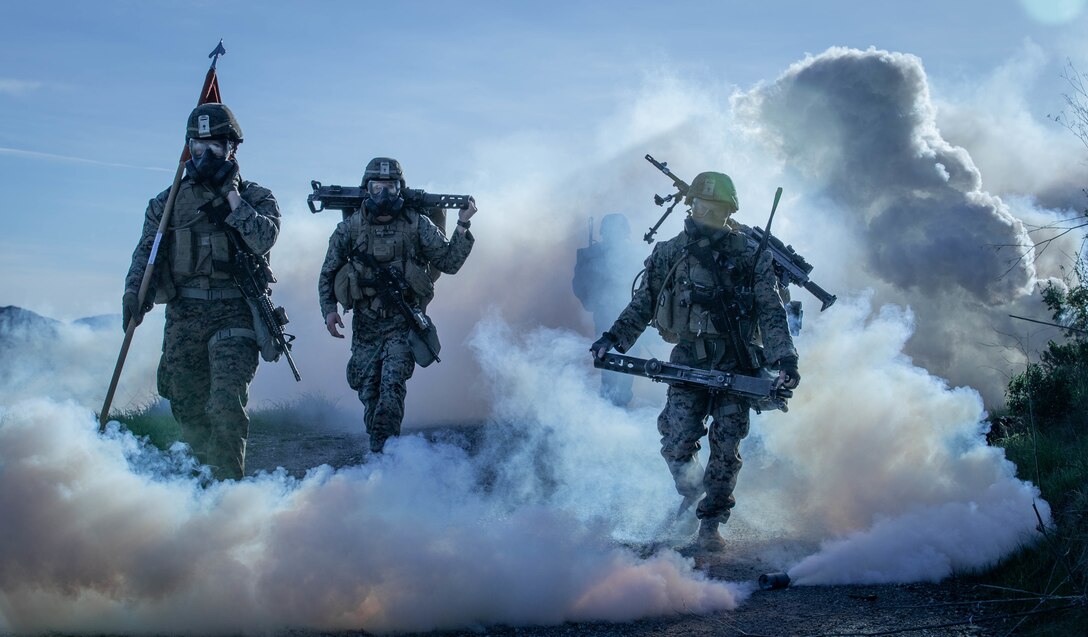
(789, 365)
(217, 210)
(601, 346)
(130, 311)
(226, 178)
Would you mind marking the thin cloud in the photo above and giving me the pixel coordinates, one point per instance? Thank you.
(33, 154)
(18, 87)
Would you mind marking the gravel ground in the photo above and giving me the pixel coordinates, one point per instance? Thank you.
(949, 608)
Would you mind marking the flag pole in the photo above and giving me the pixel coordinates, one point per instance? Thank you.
(209, 93)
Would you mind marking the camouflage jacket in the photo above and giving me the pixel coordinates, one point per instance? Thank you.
(429, 247)
(674, 260)
(257, 220)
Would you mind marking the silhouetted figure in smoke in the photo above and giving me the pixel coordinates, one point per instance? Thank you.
(602, 282)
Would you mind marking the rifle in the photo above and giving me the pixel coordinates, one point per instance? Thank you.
(789, 266)
(392, 288)
(762, 393)
(254, 279)
(348, 199)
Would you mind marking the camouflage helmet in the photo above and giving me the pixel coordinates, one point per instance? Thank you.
(713, 187)
(383, 168)
(213, 120)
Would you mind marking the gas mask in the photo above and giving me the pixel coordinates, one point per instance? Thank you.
(208, 161)
(711, 214)
(383, 198)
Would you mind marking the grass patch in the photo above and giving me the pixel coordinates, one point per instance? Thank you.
(1055, 570)
(154, 421)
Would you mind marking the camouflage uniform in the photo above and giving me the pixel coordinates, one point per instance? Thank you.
(381, 359)
(675, 294)
(206, 369)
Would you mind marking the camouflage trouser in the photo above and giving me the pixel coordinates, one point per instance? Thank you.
(681, 425)
(208, 384)
(380, 366)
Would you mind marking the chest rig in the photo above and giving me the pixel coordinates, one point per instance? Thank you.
(200, 252)
(394, 245)
(706, 297)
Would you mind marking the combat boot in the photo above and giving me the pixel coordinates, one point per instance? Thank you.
(709, 539)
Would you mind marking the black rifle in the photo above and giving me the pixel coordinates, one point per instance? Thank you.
(350, 198)
(761, 392)
(393, 288)
(789, 266)
(254, 279)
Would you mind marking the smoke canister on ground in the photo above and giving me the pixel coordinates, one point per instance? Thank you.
(773, 581)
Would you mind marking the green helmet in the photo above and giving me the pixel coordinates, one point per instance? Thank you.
(713, 187)
(213, 120)
(383, 168)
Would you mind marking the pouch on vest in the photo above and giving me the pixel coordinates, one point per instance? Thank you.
(195, 253)
(342, 287)
(419, 279)
(663, 317)
(165, 290)
(419, 344)
(265, 342)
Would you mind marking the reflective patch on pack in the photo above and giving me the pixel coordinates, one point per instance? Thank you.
(203, 125)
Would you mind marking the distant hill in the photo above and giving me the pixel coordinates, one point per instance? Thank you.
(100, 322)
(15, 322)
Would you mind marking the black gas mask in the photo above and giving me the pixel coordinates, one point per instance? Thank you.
(211, 166)
(383, 198)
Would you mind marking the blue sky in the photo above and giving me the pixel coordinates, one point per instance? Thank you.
(94, 97)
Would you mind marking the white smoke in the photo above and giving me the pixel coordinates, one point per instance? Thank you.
(885, 462)
(878, 458)
(98, 540)
(74, 361)
(860, 128)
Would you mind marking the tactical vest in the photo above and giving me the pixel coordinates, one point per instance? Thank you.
(199, 250)
(690, 304)
(393, 245)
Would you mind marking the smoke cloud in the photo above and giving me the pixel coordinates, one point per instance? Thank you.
(98, 538)
(899, 485)
(73, 361)
(861, 129)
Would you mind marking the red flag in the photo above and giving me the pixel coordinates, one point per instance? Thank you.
(209, 93)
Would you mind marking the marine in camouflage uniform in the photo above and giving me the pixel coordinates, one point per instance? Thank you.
(209, 351)
(699, 291)
(396, 237)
